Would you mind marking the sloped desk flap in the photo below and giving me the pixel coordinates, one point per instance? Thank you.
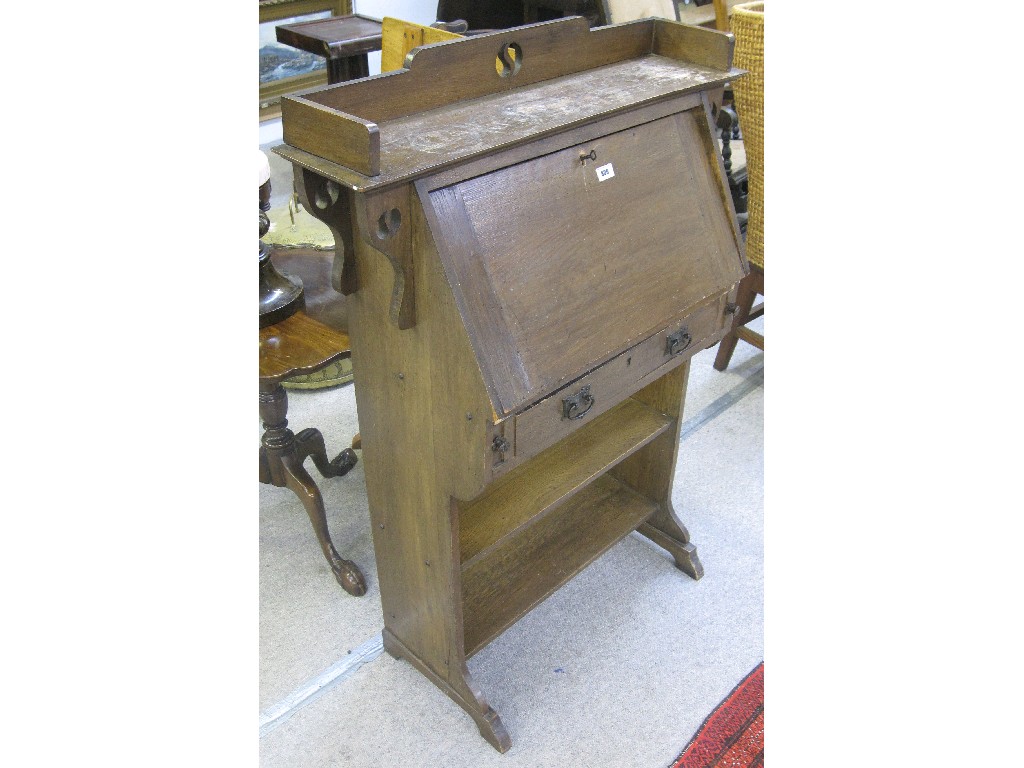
(562, 261)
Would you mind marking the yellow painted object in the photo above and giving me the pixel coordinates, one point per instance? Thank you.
(748, 26)
(399, 37)
(721, 16)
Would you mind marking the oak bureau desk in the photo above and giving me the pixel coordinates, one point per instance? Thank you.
(535, 234)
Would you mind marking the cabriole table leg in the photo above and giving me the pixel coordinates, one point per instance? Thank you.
(281, 458)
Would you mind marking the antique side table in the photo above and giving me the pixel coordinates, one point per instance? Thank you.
(535, 235)
(343, 40)
(301, 345)
(291, 344)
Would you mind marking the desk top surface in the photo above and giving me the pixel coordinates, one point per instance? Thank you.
(336, 37)
(438, 136)
(449, 104)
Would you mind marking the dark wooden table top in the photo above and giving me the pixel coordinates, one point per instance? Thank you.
(299, 345)
(335, 37)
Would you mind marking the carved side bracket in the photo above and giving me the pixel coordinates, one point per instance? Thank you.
(385, 223)
(331, 203)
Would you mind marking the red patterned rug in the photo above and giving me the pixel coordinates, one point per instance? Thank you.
(733, 735)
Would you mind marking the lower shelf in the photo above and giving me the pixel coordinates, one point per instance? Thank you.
(503, 586)
(524, 495)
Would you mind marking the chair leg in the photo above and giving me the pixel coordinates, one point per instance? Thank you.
(746, 294)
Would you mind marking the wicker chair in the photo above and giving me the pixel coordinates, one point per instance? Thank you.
(748, 26)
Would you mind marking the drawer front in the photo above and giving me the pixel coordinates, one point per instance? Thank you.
(681, 339)
(558, 415)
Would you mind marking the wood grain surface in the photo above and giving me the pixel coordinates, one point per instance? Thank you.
(505, 585)
(527, 493)
(569, 270)
(297, 345)
(444, 102)
(486, 286)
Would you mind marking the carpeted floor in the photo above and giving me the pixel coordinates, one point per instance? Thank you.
(618, 668)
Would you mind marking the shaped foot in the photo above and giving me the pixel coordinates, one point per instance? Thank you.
(343, 462)
(684, 554)
(688, 562)
(349, 576)
(300, 482)
(461, 688)
(493, 730)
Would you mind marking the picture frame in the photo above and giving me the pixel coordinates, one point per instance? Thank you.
(284, 69)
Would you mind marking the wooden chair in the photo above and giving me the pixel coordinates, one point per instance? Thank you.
(748, 26)
(728, 124)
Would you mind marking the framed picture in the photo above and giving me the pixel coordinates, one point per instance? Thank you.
(284, 69)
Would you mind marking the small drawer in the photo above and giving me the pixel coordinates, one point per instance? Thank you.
(558, 415)
(681, 339)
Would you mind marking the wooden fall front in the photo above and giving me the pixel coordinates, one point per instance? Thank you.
(535, 235)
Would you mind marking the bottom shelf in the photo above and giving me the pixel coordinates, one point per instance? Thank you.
(503, 586)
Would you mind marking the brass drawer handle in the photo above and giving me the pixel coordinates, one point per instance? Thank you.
(677, 342)
(572, 405)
